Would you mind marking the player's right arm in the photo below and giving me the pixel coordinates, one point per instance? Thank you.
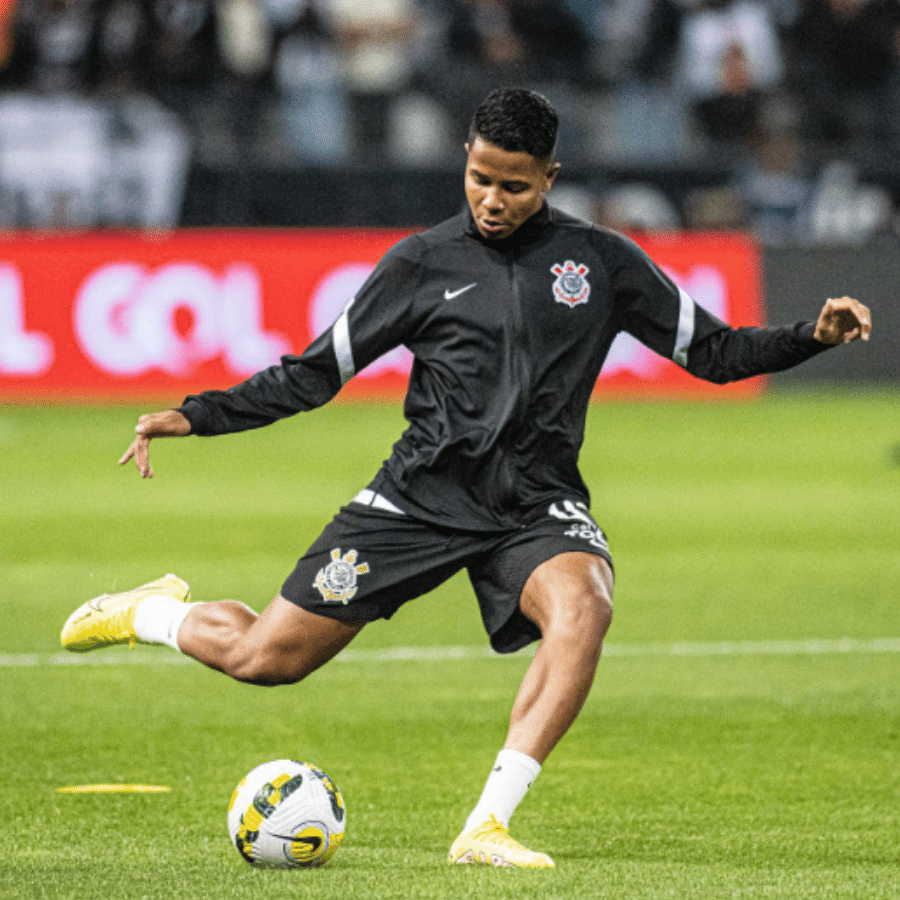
(376, 320)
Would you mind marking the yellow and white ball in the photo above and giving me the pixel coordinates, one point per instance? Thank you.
(286, 814)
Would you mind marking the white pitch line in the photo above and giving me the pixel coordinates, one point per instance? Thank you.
(758, 648)
(440, 654)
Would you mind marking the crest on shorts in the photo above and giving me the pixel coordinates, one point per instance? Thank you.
(571, 286)
(337, 582)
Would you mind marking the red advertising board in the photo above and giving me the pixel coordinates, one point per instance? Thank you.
(127, 316)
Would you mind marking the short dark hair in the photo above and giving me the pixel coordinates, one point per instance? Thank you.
(517, 120)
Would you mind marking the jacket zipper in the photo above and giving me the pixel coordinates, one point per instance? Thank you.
(521, 376)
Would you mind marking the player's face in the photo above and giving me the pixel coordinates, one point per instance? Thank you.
(504, 189)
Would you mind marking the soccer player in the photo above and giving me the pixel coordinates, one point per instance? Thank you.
(509, 309)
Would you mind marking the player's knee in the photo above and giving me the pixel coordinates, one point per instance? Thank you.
(592, 610)
(570, 600)
(583, 616)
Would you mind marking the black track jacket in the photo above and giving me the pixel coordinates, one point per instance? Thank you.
(509, 338)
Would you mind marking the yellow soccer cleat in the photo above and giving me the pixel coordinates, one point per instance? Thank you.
(109, 618)
(489, 844)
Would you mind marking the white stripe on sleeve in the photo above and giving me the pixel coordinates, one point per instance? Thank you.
(370, 498)
(340, 336)
(685, 329)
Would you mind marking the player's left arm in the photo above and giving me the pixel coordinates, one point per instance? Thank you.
(843, 320)
(664, 317)
(714, 351)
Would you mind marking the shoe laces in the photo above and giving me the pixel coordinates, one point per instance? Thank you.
(499, 834)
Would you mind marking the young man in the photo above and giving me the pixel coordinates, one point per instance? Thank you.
(510, 309)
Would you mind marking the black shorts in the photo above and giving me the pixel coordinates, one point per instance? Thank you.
(372, 558)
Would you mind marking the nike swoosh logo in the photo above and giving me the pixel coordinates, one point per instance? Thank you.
(314, 842)
(452, 295)
(90, 608)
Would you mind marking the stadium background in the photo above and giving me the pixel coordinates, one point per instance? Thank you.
(778, 121)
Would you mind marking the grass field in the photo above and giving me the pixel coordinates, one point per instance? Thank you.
(742, 740)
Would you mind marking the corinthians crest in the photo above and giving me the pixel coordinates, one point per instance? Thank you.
(571, 287)
(337, 581)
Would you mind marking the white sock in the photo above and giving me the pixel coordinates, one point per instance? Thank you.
(157, 620)
(513, 774)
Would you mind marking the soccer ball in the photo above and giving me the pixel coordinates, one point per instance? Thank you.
(286, 814)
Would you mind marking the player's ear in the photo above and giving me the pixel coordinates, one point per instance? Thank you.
(550, 177)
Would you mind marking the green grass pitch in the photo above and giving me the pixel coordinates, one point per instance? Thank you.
(742, 739)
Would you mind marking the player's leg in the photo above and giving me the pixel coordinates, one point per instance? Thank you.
(366, 563)
(551, 581)
(282, 645)
(569, 598)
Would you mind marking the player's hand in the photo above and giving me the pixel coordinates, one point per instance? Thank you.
(170, 423)
(843, 320)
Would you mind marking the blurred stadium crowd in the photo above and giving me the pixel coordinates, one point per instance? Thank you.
(796, 101)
